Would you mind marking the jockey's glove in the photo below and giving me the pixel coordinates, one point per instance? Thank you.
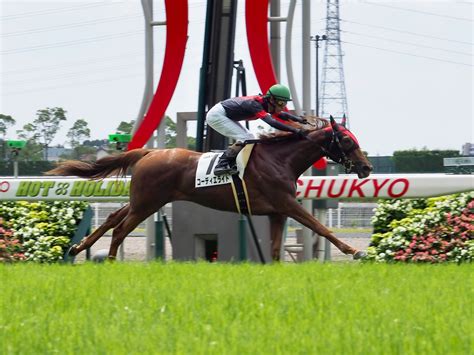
(289, 117)
(302, 133)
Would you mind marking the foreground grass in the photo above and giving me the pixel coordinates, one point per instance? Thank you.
(236, 309)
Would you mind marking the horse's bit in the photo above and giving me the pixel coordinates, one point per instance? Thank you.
(342, 159)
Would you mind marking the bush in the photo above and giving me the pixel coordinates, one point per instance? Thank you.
(434, 230)
(11, 248)
(43, 229)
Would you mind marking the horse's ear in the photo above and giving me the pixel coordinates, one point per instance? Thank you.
(344, 120)
(333, 123)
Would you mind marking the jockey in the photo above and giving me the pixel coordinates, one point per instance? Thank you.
(223, 118)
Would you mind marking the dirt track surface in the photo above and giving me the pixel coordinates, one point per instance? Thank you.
(135, 247)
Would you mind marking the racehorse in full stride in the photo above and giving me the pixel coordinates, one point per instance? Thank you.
(160, 176)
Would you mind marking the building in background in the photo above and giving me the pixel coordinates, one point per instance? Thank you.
(467, 149)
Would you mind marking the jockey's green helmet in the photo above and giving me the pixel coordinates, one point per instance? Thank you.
(279, 92)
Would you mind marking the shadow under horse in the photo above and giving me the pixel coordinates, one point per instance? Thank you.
(161, 176)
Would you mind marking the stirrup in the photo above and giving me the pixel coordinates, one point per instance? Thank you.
(225, 170)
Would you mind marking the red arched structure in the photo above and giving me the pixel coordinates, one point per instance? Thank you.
(176, 37)
(256, 21)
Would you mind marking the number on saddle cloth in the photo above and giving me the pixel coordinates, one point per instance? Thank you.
(207, 162)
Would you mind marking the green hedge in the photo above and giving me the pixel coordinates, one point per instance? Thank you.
(43, 229)
(439, 229)
(26, 168)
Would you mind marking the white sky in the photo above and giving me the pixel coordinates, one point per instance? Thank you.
(88, 57)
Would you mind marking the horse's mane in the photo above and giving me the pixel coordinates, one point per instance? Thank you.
(314, 124)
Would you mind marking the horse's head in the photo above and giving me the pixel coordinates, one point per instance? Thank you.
(343, 148)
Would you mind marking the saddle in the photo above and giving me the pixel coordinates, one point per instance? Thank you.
(207, 162)
(205, 176)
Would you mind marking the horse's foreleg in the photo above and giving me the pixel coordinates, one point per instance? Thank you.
(298, 213)
(277, 222)
(112, 220)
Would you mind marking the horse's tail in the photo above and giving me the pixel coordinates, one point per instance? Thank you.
(110, 165)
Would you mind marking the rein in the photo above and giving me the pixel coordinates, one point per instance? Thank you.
(269, 140)
(328, 150)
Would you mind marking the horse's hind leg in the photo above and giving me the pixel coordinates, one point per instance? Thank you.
(112, 220)
(128, 224)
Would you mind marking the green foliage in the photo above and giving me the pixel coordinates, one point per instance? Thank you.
(44, 228)
(5, 122)
(421, 161)
(78, 132)
(47, 123)
(171, 133)
(439, 229)
(26, 168)
(389, 210)
(203, 308)
(33, 150)
(96, 143)
(125, 127)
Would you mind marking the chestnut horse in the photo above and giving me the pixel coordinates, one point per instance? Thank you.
(165, 175)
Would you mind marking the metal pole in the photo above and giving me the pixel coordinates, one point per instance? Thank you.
(148, 14)
(15, 167)
(316, 110)
(288, 59)
(316, 40)
(275, 37)
(307, 204)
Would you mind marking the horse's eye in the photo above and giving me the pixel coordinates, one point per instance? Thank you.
(347, 143)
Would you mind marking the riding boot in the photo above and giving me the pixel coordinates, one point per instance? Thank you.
(226, 163)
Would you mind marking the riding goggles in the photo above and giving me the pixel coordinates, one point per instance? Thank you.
(281, 103)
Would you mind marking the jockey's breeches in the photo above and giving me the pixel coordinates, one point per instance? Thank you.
(217, 119)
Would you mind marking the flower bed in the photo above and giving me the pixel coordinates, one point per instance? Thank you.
(11, 248)
(433, 230)
(43, 229)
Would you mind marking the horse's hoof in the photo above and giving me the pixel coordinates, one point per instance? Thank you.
(360, 255)
(72, 251)
(100, 256)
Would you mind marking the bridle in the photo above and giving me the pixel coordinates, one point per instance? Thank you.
(339, 156)
(333, 150)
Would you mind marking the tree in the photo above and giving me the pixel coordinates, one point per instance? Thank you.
(32, 151)
(5, 122)
(170, 135)
(47, 124)
(421, 161)
(96, 143)
(125, 127)
(78, 133)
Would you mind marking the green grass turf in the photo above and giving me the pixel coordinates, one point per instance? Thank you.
(201, 308)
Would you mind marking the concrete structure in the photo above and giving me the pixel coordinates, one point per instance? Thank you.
(204, 233)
